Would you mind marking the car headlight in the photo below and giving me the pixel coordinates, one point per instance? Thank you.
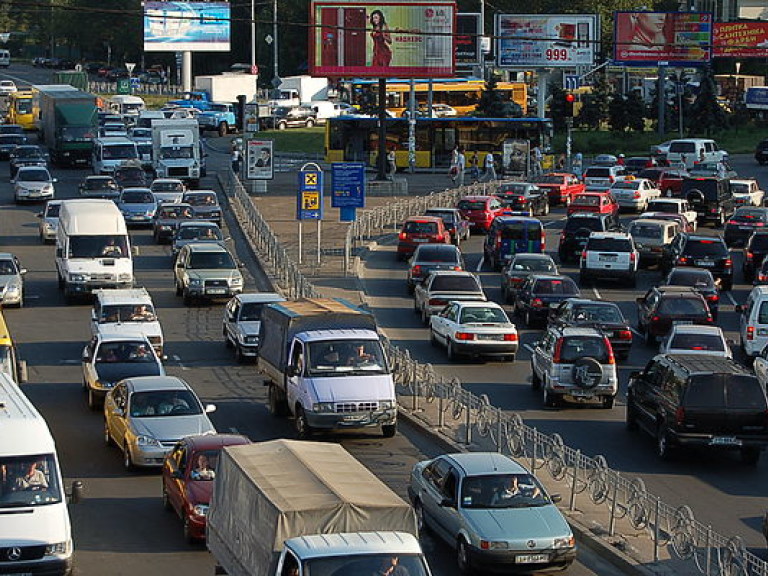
(78, 278)
(164, 227)
(147, 441)
(568, 542)
(195, 282)
(215, 214)
(103, 384)
(200, 510)
(237, 281)
(387, 404)
(490, 545)
(48, 188)
(250, 339)
(12, 288)
(323, 407)
(58, 548)
(125, 277)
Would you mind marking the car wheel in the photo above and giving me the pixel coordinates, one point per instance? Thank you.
(421, 522)
(663, 449)
(239, 357)
(166, 501)
(750, 455)
(277, 405)
(450, 352)
(608, 402)
(462, 557)
(282, 126)
(303, 429)
(432, 338)
(127, 459)
(550, 400)
(388, 430)
(186, 298)
(310, 122)
(107, 437)
(424, 317)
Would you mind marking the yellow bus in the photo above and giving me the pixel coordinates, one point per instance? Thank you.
(10, 363)
(20, 110)
(460, 94)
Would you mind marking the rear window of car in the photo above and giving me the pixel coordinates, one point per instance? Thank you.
(436, 254)
(698, 248)
(692, 278)
(455, 284)
(575, 347)
(762, 313)
(593, 224)
(420, 228)
(626, 185)
(683, 307)
(555, 286)
(138, 198)
(707, 187)
(447, 216)
(749, 215)
(739, 187)
(601, 313)
(738, 391)
(472, 205)
(651, 231)
(584, 200)
(682, 147)
(667, 207)
(597, 173)
(518, 231)
(703, 342)
(609, 244)
(535, 265)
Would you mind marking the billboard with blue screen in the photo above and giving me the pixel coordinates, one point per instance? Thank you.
(181, 26)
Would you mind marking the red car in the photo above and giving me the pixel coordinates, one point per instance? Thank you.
(188, 473)
(421, 230)
(560, 187)
(668, 180)
(597, 202)
(480, 211)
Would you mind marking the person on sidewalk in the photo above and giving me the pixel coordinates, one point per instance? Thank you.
(536, 158)
(235, 159)
(392, 162)
(490, 168)
(474, 168)
(461, 167)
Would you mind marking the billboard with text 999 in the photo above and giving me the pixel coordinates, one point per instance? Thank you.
(382, 40)
(183, 26)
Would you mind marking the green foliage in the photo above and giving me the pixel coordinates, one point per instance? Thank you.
(635, 111)
(492, 103)
(594, 110)
(706, 114)
(557, 106)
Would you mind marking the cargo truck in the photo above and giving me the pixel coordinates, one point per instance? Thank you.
(67, 121)
(176, 150)
(325, 365)
(227, 87)
(286, 505)
(294, 90)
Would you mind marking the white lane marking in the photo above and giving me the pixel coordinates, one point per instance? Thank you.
(528, 347)
(177, 359)
(554, 221)
(596, 293)
(480, 264)
(731, 298)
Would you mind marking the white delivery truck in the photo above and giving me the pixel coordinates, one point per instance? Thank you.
(92, 247)
(324, 363)
(127, 106)
(284, 505)
(227, 87)
(176, 150)
(294, 90)
(35, 532)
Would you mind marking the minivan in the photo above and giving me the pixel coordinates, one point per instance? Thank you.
(690, 151)
(651, 236)
(510, 235)
(753, 322)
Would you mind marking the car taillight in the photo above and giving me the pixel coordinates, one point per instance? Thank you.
(510, 337)
(709, 317)
(416, 271)
(403, 236)
(437, 302)
(537, 303)
(611, 357)
(682, 260)
(714, 211)
(611, 179)
(728, 263)
(762, 277)
(632, 257)
(713, 298)
(732, 222)
(464, 336)
(583, 254)
(522, 200)
(543, 240)
(750, 256)
(750, 332)
(624, 335)
(680, 416)
(457, 268)
(759, 224)
(655, 319)
(558, 351)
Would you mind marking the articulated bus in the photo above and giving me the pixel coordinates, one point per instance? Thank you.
(461, 94)
(20, 110)
(356, 138)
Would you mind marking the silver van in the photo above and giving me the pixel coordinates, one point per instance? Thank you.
(690, 151)
(651, 236)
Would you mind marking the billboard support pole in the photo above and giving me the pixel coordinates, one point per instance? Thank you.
(412, 129)
(186, 71)
(542, 93)
(382, 159)
(274, 36)
(661, 94)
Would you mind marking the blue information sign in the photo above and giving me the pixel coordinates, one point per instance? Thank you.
(348, 185)
(309, 203)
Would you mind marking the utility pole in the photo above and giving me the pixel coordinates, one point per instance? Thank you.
(274, 39)
(253, 35)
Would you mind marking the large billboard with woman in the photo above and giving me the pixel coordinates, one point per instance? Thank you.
(382, 40)
(674, 38)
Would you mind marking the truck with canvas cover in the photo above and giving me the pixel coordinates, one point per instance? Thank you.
(288, 504)
(176, 150)
(67, 122)
(324, 363)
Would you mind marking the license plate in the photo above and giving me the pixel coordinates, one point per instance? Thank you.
(581, 394)
(532, 559)
(607, 258)
(725, 441)
(490, 336)
(421, 239)
(216, 291)
(706, 263)
(353, 418)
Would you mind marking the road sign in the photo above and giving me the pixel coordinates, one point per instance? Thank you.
(123, 85)
(309, 204)
(135, 83)
(572, 82)
(348, 185)
(130, 66)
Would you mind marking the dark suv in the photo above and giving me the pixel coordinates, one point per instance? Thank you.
(577, 229)
(297, 117)
(702, 252)
(696, 400)
(754, 253)
(710, 197)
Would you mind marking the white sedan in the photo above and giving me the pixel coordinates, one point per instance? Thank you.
(474, 328)
(693, 339)
(635, 193)
(7, 87)
(747, 192)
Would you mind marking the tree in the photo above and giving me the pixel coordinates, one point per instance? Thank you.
(635, 111)
(594, 110)
(618, 113)
(706, 113)
(493, 104)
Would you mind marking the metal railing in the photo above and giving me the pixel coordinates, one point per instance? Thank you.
(421, 389)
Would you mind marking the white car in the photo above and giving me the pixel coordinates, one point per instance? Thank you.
(33, 183)
(49, 221)
(695, 339)
(675, 206)
(634, 193)
(7, 87)
(609, 255)
(747, 192)
(474, 328)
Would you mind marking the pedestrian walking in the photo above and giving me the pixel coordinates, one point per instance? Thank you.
(235, 159)
(392, 161)
(474, 168)
(461, 166)
(453, 170)
(536, 158)
(489, 164)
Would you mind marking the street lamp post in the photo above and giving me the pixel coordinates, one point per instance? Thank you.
(253, 35)
(274, 39)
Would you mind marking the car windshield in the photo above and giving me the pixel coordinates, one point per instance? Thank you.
(472, 205)
(204, 464)
(52, 210)
(200, 199)
(176, 152)
(626, 185)
(484, 315)
(34, 175)
(27, 152)
(199, 233)
(575, 347)
(587, 200)
(651, 174)
(180, 402)
(137, 198)
(111, 313)
(167, 187)
(532, 265)
(98, 247)
(212, 261)
(697, 342)
(700, 248)
(597, 173)
(346, 357)
(675, 306)
(8, 268)
(599, 313)
(667, 207)
(125, 352)
(24, 106)
(558, 286)
(251, 311)
(172, 212)
(641, 230)
(450, 283)
(739, 391)
(119, 152)
(350, 564)
(99, 183)
(420, 228)
(435, 254)
(692, 278)
(518, 231)
(502, 491)
(609, 245)
(29, 481)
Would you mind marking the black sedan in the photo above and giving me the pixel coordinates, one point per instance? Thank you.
(524, 197)
(605, 316)
(755, 252)
(27, 155)
(701, 281)
(520, 268)
(8, 142)
(166, 220)
(743, 223)
(99, 187)
(539, 293)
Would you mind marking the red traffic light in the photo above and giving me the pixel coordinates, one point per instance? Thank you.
(570, 98)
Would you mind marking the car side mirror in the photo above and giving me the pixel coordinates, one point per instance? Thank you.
(210, 408)
(21, 368)
(448, 503)
(76, 493)
(13, 181)
(54, 180)
(555, 498)
(23, 271)
(134, 250)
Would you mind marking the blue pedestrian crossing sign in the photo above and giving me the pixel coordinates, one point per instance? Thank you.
(309, 202)
(572, 81)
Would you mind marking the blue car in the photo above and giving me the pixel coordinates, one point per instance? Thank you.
(138, 206)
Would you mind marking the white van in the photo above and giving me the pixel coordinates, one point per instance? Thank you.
(753, 322)
(324, 108)
(5, 58)
(689, 151)
(92, 247)
(35, 532)
(129, 311)
(110, 152)
(128, 107)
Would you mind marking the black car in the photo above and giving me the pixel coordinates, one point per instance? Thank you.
(99, 187)
(166, 221)
(520, 268)
(761, 152)
(761, 276)
(743, 223)
(605, 316)
(8, 142)
(454, 222)
(12, 129)
(710, 197)
(636, 164)
(755, 252)
(131, 177)
(524, 197)
(26, 155)
(430, 257)
(293, 117)
(711, 402)
(701, 251)
(662, 306)
(701, 281)
(539, 293)
(577, 229)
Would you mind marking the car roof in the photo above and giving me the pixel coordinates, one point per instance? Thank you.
(696, 329)
(211, 441)
(476, 304)
(482, 463)
(587, 215)
(146, 383)
(585, 301)
(6, 256)
(511, 219)
(442, 209)
(532, 256)
(205, 247)
(677, 291)
(549, 277)
(259, 297)
(743, 180)
(433, 219)
(478, 197)
(670, 200)
(579, 331)
(700, 237)
(205, 223)
(654, 221)
(438, 247)
(121, 334)
(122, 296)
(452, 273)
(691, 270)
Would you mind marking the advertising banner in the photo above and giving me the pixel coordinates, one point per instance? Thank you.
(348, 185)
(545, 40)
(181, 26)
(383, 40)
(258, 159)
(675, 38)
(740, 39)
(468, 40)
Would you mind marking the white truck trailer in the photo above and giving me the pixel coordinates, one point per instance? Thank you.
(176, 150)
(227, 87)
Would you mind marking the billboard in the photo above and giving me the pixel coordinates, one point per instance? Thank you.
(258, 159)
(675, 38)
(467, 40)
(384, 40)
(545, 40)
(740, 39)
(182, 26)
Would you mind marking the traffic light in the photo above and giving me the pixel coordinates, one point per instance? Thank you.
(569, 100)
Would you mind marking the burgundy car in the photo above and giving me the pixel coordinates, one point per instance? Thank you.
(188, 473)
